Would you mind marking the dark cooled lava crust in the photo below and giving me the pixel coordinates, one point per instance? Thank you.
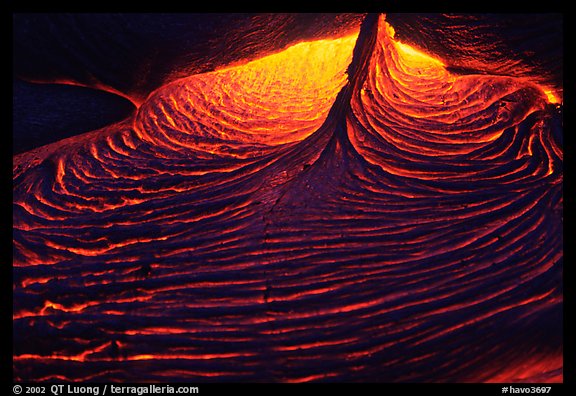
(346, 209)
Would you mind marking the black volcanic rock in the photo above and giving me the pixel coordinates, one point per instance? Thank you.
(47, 113)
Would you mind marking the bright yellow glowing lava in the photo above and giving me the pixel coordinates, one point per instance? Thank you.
(280, 98)
(415, 57)
(552, 98)
(320, 58)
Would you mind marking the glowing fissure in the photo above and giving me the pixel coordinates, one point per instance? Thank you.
(258, 221)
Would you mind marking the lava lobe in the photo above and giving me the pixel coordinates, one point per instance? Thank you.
(346, 209)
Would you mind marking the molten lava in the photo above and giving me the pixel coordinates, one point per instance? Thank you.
(281, 98)
(347, 209)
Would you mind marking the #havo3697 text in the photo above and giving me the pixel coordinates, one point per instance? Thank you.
(526, 389)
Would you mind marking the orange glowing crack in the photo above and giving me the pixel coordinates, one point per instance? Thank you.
(31, 281)
(310, 378)
(81, 357)
(49, 305)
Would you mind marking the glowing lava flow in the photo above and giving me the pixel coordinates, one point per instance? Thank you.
(282, 221)
(281, 98)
